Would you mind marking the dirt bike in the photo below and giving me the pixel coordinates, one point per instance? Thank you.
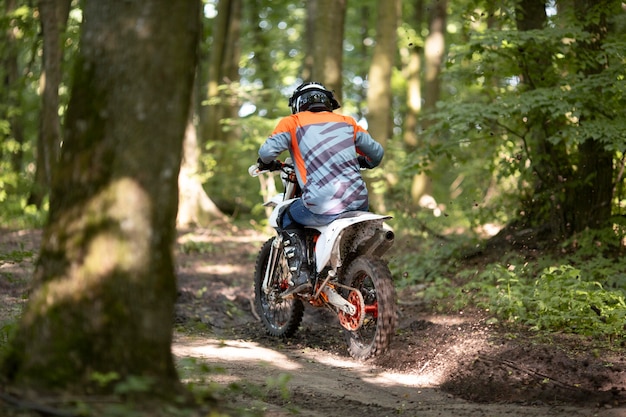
(346, 270)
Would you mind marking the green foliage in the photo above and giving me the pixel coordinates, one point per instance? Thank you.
(198, 377)
(133, 385)
(191, 246)
(18, 255)
(497, 105)
(563, 301)
(7, 329)
(20, 105)
(225, 164)
(580, 288)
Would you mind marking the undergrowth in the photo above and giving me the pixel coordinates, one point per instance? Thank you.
(578, 287)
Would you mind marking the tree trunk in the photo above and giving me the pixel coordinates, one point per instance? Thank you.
(412, 72)
(195, 208)
(265, 68)
(543, 207)
(589, 202)
(105, 284)
(564, 200)
(434, 52)
(379, 117)
(324, 43)
(379, 78)
(223, 74)
(53, 15)
(10, 95)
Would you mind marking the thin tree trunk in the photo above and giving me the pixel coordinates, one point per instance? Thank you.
(223, 74)
(379, 78)
(412, 69)
(10, 95)
(53, 15)
(379, 117)
(434, 51)
(324, 43)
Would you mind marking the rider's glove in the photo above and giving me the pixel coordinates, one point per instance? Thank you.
(364, 163)
(270, 166)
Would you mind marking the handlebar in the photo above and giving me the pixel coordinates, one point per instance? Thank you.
(276, 165)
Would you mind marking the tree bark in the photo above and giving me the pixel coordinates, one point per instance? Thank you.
(412, 72)
(53, 15)
(10, 95)
(324, 43)
(223, 74)
(379, 78)
(434, 51)
(572, 189)
(104, 281)
(379, 117)
(195, 208)
(589, 203)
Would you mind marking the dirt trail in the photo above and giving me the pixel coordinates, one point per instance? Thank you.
(451, 365)
(436, 362)
(322, 384)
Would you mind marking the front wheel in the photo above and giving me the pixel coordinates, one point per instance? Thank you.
(372, 278)
(280, 317)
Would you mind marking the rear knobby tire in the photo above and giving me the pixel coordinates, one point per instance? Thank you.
(373, 279)
(281, 318)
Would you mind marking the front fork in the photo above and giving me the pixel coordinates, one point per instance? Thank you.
(271, 263)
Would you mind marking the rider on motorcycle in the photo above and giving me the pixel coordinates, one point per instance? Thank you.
(328, 151)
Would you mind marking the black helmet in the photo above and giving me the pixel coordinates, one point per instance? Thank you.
(312, 97)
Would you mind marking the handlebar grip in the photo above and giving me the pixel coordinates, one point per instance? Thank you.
(254, 170)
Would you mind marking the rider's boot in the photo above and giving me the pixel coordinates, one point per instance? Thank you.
(294, 244)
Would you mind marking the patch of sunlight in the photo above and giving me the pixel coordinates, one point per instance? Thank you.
(446, 320)
(234, 350)
(335, 362)
(223, 269)
(383, 378)
(407, 380)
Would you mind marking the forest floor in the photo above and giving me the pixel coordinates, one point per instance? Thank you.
(439, 364)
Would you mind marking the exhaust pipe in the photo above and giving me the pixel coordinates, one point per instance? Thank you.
(379, 243)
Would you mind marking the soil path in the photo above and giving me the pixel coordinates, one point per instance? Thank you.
(436, 363)
(321, 384)
(446, 365)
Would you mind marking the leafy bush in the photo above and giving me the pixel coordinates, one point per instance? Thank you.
(580, 288)
(563, 301)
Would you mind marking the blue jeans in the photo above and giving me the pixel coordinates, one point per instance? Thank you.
(304, 217)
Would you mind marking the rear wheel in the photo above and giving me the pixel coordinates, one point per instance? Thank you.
(372, 278)
(280, 317)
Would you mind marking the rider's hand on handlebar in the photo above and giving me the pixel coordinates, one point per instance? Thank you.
(364, 163)
(270, 166)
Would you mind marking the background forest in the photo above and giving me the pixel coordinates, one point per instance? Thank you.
(503, 123)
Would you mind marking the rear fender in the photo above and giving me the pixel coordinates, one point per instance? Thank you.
(363, 225)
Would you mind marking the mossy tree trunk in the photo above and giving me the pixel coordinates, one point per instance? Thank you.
(104, 282)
